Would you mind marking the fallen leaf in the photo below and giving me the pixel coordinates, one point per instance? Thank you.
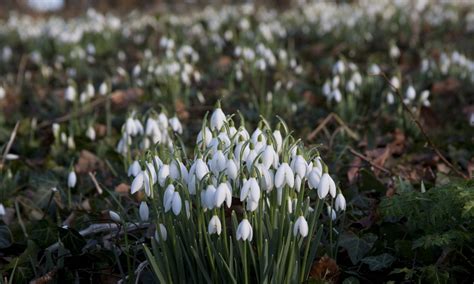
(88, 162)
(122, 188)
(353, 172)
(325, 269)
(123, 98)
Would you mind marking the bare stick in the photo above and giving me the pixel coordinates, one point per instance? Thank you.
(355, 153)
(422, 130)
(9, 144)
(97, 186)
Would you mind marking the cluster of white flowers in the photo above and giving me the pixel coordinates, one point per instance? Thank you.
(346, 77)
(455, 64)
(262, 169)
(158, 129)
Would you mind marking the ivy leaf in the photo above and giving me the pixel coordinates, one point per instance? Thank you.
(357, 247)
(379, 262)
(5, 236)
(44, 233)
(72, 240)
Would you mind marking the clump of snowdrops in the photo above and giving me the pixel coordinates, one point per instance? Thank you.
(247, 207)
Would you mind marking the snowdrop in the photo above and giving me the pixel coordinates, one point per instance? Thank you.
(300, 227)
(340, 203)
(244, 231)
(215, 226)
(71, 179)
(115, 216)
(144, 211)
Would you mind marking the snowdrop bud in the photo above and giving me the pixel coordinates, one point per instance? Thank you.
(471, 119)
(215, 226)
(331, 213)
(115, 216)
(90, 133)
(278, 139)
(134, 169)
(2, 93)
(163, 174)
(137, 183)
(144, 211)
(71, 179)
(176, 125)
(187, 209)
(70, 94)
(395, 82)
(221, 194)
(2, 210)
(70, 143)
(301, 227)
(90, 90)
(232, 169)
(340, 203)
(207, 135)
(201, 169)
(244, 231)
(394, 52)
(103, 88)
(332, 187)
(161, 233)
(168, 198)
(411, 93)
(327, 89)
(177, 204)
(323, 186)
(217, 119)
(336, 95)
(390, 98)
(56, 129)
(284, 176)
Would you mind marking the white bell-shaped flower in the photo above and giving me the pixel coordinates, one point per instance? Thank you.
(323, 186)
(161, 233)
(284, 176)
(137, 182)
(300, 227)
(134, 169)
(71, 179)
(163, 174)
(340, 203)
(144, 211)
(217, 119)
(244, 231)
(215, 226)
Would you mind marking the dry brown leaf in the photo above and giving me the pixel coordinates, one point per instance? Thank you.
(448, 86)
(123, 98)
(122, 188)
(88, 162)
(353, 172)
(325, 269)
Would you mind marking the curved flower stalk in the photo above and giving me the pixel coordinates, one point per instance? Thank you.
(232, 212)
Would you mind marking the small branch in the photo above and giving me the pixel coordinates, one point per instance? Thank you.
(355, 153)
(332, 116)
(422, 130)
(97, 186)
(9, 144)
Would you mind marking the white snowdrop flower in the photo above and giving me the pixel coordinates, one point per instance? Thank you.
(192, 184)
(176, 125)
(335, 82)
(161, 233)
(2, 210)
(168, 197)
(217, 163)
(207, 135)
(152, 172)
(394, 51)
(115, 216)
(298, 182)
(424, 98)
(152, 128)
(357, 78)
(332, 187)
(340, 203)
(395, 82)
(267, 182)
(56, 128)
(144, 211)
(208, 196)
(70, 143)
(201, 169)
(471, 119)
(2, 93)
(326, 89)
(390, 98)
(103, 89)
(331, 213)
(217, 119)
(11, 157)
(71, 179)
(231, 169)
(299, 166)
(90, 91)
(90, 133)
(163, 174)
(336, 95)
(323, 186)
(215, 226)
(130, 126)
(176, 203)
(350, 86)
(137, 183)
(278, 140)
(339, 67)
(223, 193)
(301, 227)
(410, 93)
(284, 176)
(374, 69)
(289, 205)
(270, 157)
(244, 231)
(70, 94)
(134, 169)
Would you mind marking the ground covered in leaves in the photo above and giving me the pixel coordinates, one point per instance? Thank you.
(384, 90)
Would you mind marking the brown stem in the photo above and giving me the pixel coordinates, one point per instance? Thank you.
(422, 130)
